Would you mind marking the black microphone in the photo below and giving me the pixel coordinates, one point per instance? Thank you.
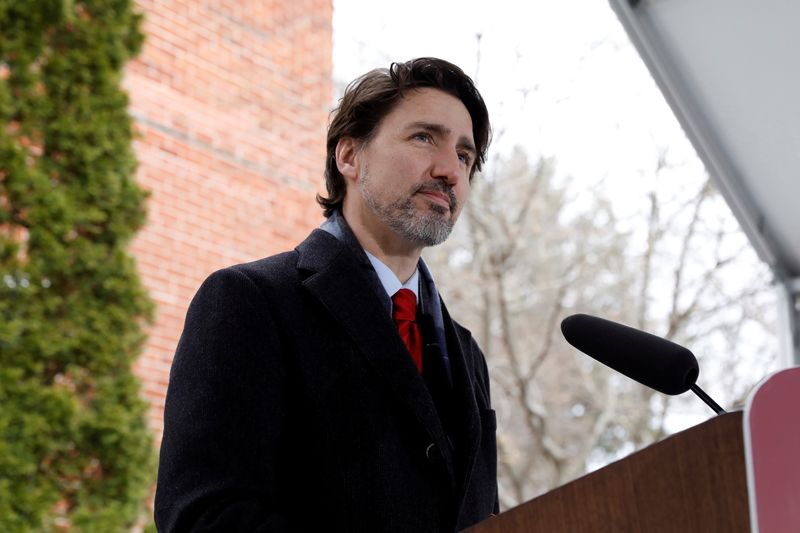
(658, 363)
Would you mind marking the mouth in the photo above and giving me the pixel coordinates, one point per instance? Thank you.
(437, 197)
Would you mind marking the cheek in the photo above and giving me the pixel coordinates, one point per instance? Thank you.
(462, 195)
(462, 191)
(396, 169)
(408, 169)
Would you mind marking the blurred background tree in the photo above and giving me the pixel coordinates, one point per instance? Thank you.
(532, 249)
(75, 452)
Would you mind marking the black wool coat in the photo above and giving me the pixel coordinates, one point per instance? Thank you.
(293, 405)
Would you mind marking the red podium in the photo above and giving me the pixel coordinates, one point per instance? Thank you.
(772, 453)
(701, 480)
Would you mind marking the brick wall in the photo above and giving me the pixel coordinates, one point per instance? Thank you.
(230, 100)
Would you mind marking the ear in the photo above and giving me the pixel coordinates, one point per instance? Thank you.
(347, 152)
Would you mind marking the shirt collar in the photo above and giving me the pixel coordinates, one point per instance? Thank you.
(391, 283)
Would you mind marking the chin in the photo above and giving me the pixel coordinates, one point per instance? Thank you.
(440, 210)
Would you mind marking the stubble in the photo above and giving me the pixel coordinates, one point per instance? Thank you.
(428, 227)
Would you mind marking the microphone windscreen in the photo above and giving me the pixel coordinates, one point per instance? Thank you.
(648, 359)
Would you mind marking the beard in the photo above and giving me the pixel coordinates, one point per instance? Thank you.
(428, 227)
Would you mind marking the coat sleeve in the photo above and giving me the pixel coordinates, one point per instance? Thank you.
(225, 415)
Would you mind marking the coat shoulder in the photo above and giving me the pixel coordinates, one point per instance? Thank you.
(243, 282)
(289, 268)
(272, 270)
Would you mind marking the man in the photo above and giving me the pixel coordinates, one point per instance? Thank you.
(328, 388)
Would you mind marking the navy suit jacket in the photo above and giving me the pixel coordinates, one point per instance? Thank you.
(293, 405)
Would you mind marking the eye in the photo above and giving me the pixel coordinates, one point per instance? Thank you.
(422, 136)
(465, 157)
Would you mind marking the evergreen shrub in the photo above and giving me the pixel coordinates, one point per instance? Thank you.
(75, 451)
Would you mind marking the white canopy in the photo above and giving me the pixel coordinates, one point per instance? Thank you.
(730, 70)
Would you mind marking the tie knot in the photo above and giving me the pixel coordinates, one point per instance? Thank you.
(404, 305)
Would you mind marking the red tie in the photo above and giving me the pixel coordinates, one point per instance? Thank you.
(404, 314)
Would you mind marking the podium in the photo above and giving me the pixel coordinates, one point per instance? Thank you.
(737, 472)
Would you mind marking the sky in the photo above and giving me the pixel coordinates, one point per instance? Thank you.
(561, 79)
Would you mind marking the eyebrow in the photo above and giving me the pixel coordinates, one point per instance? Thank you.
(463, 142)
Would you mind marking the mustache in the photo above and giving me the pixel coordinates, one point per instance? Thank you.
(438, 186)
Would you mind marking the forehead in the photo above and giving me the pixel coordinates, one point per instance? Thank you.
(431, 106)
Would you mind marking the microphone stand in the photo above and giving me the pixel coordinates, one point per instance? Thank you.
(706, 398)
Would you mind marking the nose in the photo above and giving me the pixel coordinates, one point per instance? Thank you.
(447, 166)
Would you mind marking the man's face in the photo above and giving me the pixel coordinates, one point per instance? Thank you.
(413, 175)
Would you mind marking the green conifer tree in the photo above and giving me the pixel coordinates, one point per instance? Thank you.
(75, 452)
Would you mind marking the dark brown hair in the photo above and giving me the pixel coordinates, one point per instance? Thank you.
(368, 99)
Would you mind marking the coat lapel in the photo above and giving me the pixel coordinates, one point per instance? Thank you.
(346, 286)
(468, 418)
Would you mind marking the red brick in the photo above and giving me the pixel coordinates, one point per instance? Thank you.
(230, 100)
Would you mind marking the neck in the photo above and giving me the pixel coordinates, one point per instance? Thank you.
(397, 253)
